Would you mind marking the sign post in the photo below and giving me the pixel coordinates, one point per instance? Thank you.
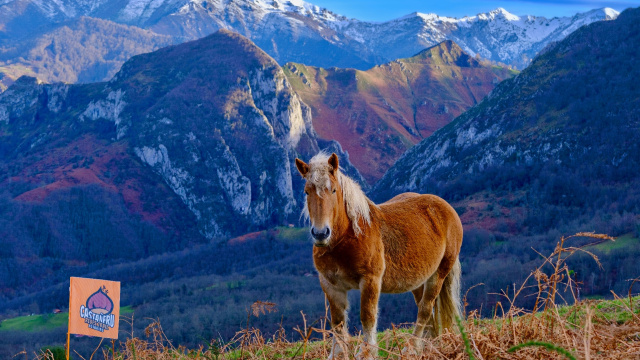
(94, 308)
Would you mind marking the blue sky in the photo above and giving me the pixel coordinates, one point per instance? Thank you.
(382, 10)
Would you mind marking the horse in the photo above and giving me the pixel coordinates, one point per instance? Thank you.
(409, 243)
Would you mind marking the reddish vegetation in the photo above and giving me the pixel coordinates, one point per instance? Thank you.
(71, 178)
(247, 237)
(377, 114)
(89, 161)
(253, 236)
(485, 211)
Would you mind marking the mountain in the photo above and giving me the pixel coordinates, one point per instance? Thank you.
(287, 30)
(575, 106)
(569, 124)
(549, 152)
(376, 115)
(497, 35)
(296, 31)
(80, 50)
(190, 143)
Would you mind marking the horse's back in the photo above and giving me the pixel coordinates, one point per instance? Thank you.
(420, 231)
(428, 204)
(401, 197)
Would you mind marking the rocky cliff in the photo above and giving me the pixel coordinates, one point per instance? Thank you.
(215, 119)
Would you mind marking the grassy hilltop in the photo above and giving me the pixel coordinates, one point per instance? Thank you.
(598, 329)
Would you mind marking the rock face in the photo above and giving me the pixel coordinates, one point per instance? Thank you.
(215, 119)
(558, 134)
(378, 114)
(290, 31)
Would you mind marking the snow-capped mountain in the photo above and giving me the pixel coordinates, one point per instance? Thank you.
(497, 35)
(566, 126)
(294, 30)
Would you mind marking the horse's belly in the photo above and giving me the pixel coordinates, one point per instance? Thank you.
(399, 286)
(400, 279)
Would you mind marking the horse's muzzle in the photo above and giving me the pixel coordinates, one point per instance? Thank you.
(320, 237)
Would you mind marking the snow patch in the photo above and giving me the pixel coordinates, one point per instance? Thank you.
(139, 10)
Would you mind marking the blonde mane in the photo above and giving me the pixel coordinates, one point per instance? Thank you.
(355, 200)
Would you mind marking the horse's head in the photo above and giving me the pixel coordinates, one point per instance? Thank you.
(324, 197)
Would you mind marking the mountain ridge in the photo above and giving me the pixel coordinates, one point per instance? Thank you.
(550, 152)
(572, 111)
(379, 113)
(80, 50)
(186, 116)
(304, 33)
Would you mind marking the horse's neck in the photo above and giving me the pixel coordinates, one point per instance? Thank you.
(365, 228)
(344, 225)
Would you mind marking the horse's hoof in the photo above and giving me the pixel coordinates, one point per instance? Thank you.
(409, 350)
(336, 354)
(366, 352)
(364, 357)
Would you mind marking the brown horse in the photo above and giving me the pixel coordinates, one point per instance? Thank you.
(409, 243)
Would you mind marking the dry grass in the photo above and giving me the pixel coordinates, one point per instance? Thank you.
(585, 330)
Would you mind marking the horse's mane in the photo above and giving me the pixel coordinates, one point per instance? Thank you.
(356, 201)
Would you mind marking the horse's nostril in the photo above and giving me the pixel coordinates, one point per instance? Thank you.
(320, 235)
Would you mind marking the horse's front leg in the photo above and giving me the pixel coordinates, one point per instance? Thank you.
(369, 295)
(338, 304)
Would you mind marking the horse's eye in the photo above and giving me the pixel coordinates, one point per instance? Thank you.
(334, 191)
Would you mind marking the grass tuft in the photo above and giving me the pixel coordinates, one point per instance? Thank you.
(545, 345)
(465, 340)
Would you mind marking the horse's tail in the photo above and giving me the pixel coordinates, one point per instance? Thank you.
(448, 306)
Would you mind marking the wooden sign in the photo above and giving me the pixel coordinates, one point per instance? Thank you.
(94, 307)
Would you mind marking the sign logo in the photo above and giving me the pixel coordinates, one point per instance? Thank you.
(94, 307)
(97, 312)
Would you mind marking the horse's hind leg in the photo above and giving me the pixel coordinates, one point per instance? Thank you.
(426, 319)
(412, 347)
(417, 294)
(425, 297)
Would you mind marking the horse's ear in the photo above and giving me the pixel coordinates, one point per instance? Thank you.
(303, 168)
(333, 161)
